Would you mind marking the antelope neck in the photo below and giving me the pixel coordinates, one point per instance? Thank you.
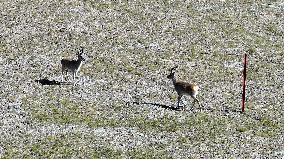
(174, 79)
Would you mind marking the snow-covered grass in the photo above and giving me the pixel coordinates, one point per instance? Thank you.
(121, 104)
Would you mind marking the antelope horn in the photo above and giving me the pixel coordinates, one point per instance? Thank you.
(172, 69)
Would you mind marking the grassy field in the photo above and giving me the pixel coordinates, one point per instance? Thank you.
(121, 104)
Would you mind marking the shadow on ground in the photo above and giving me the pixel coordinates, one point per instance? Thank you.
(159, 105)
(46, 81)
(246, 113)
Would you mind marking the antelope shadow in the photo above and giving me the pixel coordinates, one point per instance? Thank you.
(46, 81)
(159, 105)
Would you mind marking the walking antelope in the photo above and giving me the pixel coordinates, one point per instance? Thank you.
(183, 88)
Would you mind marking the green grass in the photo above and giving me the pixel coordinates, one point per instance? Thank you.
(76, 145)
(117, 37)
(61, 146)
(67, 111)
(71, 112)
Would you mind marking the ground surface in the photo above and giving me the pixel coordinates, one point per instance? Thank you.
(121, 104)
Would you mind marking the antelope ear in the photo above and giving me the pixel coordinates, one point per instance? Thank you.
(81, 49)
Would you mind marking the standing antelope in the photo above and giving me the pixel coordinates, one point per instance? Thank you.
(183, 88)
(72, 66)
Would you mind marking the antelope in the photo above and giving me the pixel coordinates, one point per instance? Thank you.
(183, 88)
(72, 66)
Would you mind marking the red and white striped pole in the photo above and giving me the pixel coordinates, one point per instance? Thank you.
(244, 83)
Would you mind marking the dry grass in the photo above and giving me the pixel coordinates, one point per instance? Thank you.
(130, 47)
